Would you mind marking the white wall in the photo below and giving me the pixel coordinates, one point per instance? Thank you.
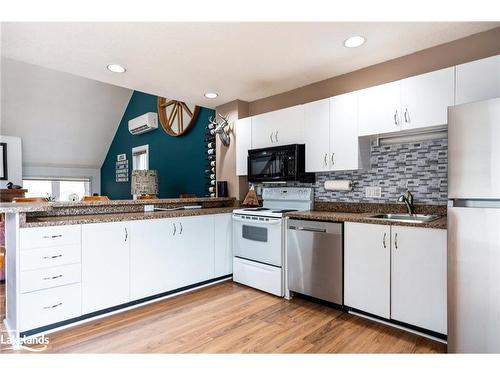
(14, 161)
(66, 122)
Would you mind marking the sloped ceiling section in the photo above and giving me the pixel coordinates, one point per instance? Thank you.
(64, 120)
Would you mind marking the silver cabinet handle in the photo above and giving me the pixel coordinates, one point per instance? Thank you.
(180, 224)
(271, 136)
(407, 116)
(52, 277)
(396, 241)
(175, 229)
(53, 236)
(126, 234)
(332, 158)
(383, 241)
(324, 159)
(52, 306)
(276, 136)
(53, 256)
(396, 118)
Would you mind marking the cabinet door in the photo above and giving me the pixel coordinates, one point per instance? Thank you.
(223, 251)
(425, 98)
(344, 145)
(418, 286)
(367, 268)
(263, 130)
(152, 258)
(316, 135)
(243, 144)
(289, 125)
(478, 80)
(105, 265)
(194, 249)
(380, 109)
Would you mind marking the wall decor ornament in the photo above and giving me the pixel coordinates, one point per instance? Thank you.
(223, 129)
(176, 117)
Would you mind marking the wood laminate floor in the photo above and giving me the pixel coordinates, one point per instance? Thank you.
(231, 318)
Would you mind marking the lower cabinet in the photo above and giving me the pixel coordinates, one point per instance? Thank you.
(105, 265)
(397, 272)
(223, 253)
(367, 268)
(418, 277)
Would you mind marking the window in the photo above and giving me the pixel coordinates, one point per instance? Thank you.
(59, 188)
(140, 158)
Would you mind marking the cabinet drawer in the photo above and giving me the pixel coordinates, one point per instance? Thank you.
(33, 259)
(50, 306)
(50, 236)
(258, 275)
(50, 277)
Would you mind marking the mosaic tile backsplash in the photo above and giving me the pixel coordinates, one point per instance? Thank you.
(421, 167)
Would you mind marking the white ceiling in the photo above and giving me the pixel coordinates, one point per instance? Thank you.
(63, 120)
(244, 61)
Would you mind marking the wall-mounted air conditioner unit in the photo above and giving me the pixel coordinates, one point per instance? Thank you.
(144, 123)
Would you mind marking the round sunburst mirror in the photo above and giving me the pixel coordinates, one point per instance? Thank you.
(176, 117)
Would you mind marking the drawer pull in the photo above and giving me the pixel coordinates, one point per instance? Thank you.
(52, 306)
(53, 236)
(53, 256)
(52, 277)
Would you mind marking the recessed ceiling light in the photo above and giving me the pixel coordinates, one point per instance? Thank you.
(354, 41)
(211, 95)
(115, 68)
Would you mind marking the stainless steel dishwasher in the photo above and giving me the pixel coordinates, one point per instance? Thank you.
(315, 259)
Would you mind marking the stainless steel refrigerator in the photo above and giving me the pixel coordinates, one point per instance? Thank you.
(474, 227)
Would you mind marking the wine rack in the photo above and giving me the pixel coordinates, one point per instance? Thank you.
(210, 162)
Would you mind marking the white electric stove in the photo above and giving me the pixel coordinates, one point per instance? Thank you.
(258, 237)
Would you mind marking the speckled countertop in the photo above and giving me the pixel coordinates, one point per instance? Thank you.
(125, 216)
(15, 207)
(363, 217)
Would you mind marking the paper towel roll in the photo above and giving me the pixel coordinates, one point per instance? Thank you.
(340, 185)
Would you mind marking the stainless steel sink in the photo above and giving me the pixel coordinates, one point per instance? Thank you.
(406, 218)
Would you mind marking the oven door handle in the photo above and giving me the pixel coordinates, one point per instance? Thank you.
(264, 222)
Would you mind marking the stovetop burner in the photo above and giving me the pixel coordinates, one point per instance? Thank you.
(256, 209)
(283, 211)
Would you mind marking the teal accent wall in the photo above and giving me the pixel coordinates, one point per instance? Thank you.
(180, 161)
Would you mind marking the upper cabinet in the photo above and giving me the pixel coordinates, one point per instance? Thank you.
(478, 80)
(317, 135)
(415, 102)
(425, 99)
(380, 109)
(243, 144)
(331, 134)
(277, 128)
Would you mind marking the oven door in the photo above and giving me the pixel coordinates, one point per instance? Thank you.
(267, 166)
(258, 238)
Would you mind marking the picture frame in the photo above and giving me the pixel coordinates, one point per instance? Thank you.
(3, 161)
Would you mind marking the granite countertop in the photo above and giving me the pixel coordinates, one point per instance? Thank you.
(125, 216)
(15, 207)
(363, 217)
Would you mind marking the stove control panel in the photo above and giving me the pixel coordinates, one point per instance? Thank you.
(288, 194)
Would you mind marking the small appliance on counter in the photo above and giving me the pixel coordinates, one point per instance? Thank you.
(258, 234)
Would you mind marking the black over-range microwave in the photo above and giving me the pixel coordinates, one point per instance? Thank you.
(277, 164)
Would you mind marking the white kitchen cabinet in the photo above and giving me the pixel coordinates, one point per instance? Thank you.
(478, 80)
(193, 248)
(418, 277)
(367, 269)
(223, 251)
(153, 267)
(277, 128)
(347, 152)
(317, 135)
(243, 144)
(105, 265)
(425, 98)
(379, 109)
